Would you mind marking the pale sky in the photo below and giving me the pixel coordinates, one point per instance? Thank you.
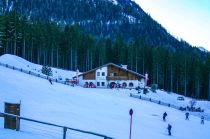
(186, 19)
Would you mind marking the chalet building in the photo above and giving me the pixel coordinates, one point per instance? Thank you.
(111, 76)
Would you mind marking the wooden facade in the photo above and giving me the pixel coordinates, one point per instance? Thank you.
(113, 73)
(116, 73)
(89, 75)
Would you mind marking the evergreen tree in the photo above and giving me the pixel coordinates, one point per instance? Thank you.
(184, 70)
(47, 70)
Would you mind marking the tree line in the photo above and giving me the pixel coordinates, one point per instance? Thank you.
(184, 70)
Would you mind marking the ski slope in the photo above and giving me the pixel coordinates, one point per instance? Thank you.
(102, 111)
(19, 62)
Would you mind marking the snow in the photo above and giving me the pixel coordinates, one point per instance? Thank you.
(114, 2)
(130, 18)
(171, 98)
(103, 111)
(7, 3)
(202, 49)
(10, 8)
(26, 65)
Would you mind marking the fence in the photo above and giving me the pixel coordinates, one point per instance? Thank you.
(45, 123)
(156, 101)
(63, 128)
(33, 73)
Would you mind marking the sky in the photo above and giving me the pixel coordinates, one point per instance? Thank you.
(184, 19)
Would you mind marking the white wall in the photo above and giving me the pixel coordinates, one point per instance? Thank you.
(101, 78)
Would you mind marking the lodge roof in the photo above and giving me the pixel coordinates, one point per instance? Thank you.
(133, 72)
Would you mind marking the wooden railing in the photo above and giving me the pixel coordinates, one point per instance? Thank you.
(116, 77)
(18, 118)
(156, 101)
(33, 73)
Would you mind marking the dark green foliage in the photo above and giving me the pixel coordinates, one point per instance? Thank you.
(154, 87)
(100, 18)
(47, 70)
(145, 91)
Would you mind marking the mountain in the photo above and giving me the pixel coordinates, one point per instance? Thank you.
(101, 18)
(202, 49)
(85, 34)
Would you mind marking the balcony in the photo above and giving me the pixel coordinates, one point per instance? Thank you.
(116, 77)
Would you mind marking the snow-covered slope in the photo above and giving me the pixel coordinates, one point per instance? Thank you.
(202, 49)
(24, 64)
(103, 111)
(171, 98)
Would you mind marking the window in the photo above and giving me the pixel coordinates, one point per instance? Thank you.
(102, 83)
(130, 84)
(112, 85)
(124, 84)
(103, 73)
(98, 73)
(98, 83)
(113, 74)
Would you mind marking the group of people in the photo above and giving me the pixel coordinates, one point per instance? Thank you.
(186, 118)
(89, 85)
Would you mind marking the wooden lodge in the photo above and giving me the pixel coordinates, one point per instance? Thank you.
(111, 76)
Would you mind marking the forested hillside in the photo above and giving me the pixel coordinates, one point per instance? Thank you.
(100, 18)
(142, 43)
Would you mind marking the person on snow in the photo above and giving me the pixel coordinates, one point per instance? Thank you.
(164, 116)
(187, 116)
(202, 119)
(50, 80)
(169, 129)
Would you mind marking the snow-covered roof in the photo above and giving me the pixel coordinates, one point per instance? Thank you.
(133, 72)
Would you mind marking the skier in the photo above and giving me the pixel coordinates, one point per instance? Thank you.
(50, 80)
(187, 116)
(164, 116)
(202, 119)
(169, 129)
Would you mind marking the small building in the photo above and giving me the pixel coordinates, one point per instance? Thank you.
(111, 76)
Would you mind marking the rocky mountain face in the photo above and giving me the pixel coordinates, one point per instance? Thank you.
(100, 18)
